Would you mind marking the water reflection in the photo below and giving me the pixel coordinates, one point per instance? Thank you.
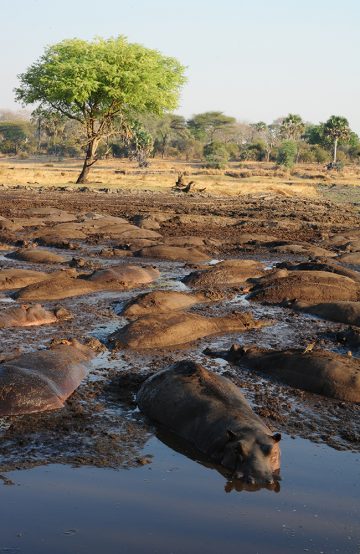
(232, 484)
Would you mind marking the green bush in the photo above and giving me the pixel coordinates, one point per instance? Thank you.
(286, 154)
(216, 154)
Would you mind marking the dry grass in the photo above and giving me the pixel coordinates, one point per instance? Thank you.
(254, 178)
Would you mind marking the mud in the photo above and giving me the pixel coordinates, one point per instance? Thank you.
(99, 424)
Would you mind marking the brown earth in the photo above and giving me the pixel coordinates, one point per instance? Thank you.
(94, 427)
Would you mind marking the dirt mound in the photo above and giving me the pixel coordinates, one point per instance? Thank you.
(320, 372)
(225, 274)
(173, 253)
(166, 330)
(37, 256)
(342, 312)
(306, 286)
(43, 380)
(163, 301)
(17, 278)
(28, 316)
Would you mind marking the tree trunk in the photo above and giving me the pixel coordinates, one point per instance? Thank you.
(89, 161)
(335, 150)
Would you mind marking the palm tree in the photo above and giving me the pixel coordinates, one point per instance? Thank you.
(337, 129)
(292, 127)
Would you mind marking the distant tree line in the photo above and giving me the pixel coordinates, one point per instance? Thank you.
(211, 137)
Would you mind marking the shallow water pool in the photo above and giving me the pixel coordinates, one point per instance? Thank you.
(175, 505)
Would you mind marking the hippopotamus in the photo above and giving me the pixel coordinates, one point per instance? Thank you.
(164, 301)
(225, 274)
(342, 312)
(316, 371)
(124, 277)
(322, 265)
(212, 414)
(65, 284)
(307, 286)
(37, 256)
(176, 329)
(28, 316)
(42, 380)
(174, 253)
(17, 278)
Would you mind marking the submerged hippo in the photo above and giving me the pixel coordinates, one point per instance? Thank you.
(318, 371)
(342, 312)
(43, 380)
(306, 286)
(225, 274)
(212, 414)
(17, 278)
(164, 301)
(27, 316)
(37, 256)
(66, 284)
(174, 253)
(176, 329)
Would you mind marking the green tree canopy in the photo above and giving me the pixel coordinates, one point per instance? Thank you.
(101, 84)
(205, 125)
(292, 127)
(337, 130)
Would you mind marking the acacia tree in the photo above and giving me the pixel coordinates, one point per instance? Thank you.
(101, 84)
(337, 130)
(205, 126)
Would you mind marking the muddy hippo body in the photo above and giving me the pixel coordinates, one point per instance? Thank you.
(164, 301)
(178, 328)
(342, 312)
(306, 286)
(212, 414)
(318, 371)
(43, 380)
(225, 274)
(28, 316)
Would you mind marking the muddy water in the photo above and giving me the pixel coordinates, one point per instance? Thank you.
(178, 506)
(173, 504)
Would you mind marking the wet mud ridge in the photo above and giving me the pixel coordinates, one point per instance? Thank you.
(153, 280)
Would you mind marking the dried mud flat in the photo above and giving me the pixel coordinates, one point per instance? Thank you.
(100, 424)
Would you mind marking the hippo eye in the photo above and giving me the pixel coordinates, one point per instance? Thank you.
(266, 448)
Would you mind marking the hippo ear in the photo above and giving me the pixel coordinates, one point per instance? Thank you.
(231, 435)
(276, 437)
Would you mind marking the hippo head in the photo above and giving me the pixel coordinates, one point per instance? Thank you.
(254, 458)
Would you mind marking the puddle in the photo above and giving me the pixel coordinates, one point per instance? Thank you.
(175, 505)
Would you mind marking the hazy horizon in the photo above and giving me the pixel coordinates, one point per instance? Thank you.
(251, 62)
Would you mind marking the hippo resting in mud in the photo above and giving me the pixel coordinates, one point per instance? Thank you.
(307, 286)
(173, 253)
(28, 316)
(342, 312)
(176, 329)
(164, 301)
(37, 256)
(225, 274)
(65, 284)
(318, 371)
(17, 278)
(42, 380)
(212, 414)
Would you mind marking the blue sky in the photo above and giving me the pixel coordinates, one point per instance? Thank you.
(253, 60)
